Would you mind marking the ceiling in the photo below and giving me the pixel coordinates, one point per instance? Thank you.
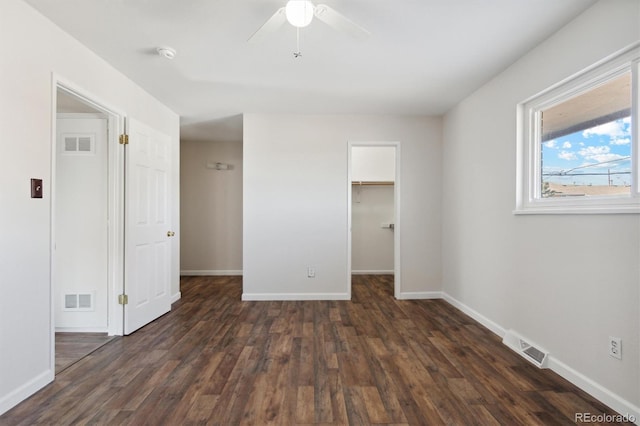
(423, 56)
(69, 104)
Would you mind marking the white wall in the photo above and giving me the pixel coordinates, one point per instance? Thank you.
(565, 282)
(373, 163)
(33, 48)
(211, 208)
(295, 201)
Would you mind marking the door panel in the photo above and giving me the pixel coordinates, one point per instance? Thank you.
(148, 248)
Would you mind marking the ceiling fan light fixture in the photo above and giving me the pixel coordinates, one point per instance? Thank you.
(299, 12)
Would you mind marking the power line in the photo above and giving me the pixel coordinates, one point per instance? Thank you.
(567, 172)
(586, 174)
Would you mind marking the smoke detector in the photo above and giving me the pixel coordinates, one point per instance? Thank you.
(166, 52)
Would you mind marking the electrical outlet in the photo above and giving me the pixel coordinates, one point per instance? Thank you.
(615, 347)
(311, 272)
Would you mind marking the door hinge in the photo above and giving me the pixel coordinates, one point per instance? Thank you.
(124, 139)
(123, 299)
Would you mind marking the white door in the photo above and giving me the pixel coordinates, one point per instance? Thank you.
(147, 226)
(81, 224)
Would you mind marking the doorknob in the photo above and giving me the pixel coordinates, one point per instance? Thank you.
(170, 233)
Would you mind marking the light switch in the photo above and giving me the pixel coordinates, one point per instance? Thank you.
(36, 188)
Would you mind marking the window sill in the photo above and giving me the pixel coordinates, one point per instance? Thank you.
(629, 206)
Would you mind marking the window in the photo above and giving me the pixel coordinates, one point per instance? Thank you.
(578, 142)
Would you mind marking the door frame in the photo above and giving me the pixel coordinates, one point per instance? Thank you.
(397, 280)
(115, 204)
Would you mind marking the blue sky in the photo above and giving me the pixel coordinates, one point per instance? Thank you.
(595, 150)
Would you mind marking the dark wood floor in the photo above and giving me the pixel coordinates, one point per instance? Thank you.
(372, 360)
(72, 347)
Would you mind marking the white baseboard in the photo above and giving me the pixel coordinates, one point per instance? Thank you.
(500, 331)
(294, 296)
(82, 329)
(373, 272)
(596, 390)
(211, 272)
(18, 395)
(176, 297)
(415, 295)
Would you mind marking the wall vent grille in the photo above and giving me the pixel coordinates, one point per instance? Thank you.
(529, 351)
(70, 301)
(78, 302)
(76, 144)
(536, 354)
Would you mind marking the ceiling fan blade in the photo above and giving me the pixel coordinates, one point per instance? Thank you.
(338, 21)
(272, 24)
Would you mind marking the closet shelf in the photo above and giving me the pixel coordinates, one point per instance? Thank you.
(369, 182)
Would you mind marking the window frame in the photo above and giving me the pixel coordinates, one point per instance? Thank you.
(529, 147)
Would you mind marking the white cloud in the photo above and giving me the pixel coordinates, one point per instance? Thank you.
(601, 158)
(551, 144)
(599, 154)
(566, 145)
(591, 151)
(622, 141)
(567, 155)
(614, 129)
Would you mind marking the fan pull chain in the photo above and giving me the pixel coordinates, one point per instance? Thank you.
(297, 53)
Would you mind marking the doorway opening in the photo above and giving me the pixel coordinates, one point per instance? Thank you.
(86, 236)
(374, 211)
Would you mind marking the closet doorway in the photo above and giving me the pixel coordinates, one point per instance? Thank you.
(374, 210)
(80, 257)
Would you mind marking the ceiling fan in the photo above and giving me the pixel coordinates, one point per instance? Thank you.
(300, 13)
